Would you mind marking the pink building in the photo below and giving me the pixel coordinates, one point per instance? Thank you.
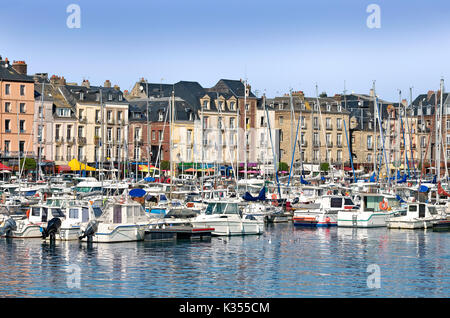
(16, 111)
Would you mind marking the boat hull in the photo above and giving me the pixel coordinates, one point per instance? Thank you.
(118, 233)
(224, 228)
(362, 219)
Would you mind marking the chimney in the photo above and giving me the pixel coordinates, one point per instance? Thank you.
(372, 93)
(107, 84)
(116, 87)
(20, 67)
(86, 84)
(40, 77)
(56, 80)
(429, 94)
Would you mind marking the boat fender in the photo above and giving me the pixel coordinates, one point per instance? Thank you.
(329, 192)
(28, 213)
(327, 219)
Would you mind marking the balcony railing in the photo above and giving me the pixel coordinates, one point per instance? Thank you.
(82, 120)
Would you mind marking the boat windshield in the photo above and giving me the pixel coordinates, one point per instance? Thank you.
(372, 203)
(222, 208)
(82, 189)
(97, 211)
(57, 213)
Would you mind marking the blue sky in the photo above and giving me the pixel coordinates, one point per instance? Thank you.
(276, 45)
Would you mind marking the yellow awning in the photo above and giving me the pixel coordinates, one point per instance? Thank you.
(75, 165)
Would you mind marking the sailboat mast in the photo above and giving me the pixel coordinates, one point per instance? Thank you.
(41, 128)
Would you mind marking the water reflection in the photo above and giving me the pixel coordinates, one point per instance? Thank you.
(285, 261)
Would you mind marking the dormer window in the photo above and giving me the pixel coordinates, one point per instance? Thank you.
(160, 115)
(328, 107)
(110, 97)
(205, 104)
(339, 108)
(120, 97)
(221, 107)
(232, 105)
(81, 95)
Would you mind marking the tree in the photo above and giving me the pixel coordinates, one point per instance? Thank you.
(165, 165)
(30, 164)
(324, 166)
(283, 166)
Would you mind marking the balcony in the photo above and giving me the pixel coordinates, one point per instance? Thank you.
(330, 144)
(304, 144)
(58, 158)
(339, 145)
(316, 144)
(339, 127)
(71, 140)
(82, 120)
(329, 127)
(59, 140)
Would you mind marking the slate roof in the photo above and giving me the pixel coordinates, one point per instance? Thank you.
(138, 109)
(7, 73)
(91, 94)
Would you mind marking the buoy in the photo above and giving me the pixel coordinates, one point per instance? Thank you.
(28, 213)
(384, 205)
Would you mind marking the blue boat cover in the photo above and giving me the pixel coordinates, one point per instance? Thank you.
(372, 177)
(261, 197)
(423, 188)
(303, 181)
(137, 193)
(400, 199)
(149, 179)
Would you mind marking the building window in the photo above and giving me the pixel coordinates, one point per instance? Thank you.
(232, 123)
(328, 123)
(7, 125)
(339, 156)
(316, 141)
(328, 140)
(22, 108)
(7, 146)
(160, 115)
(109, 133)
(280, 120)
(80, 131)
(160, 135)
(339, 140)
(316, 123)
(316, 155)
(153, 135)
(119, 133)
(22, 126)
(69, 132)
(97, 116)
(369, 142)
(232, 105)
(109, 115)
(63, 112)
(205, 104)
(119, 115)
(21, 146)
(7, 89)
(205, 122)
(137, 133)
(7, 107)
(369, 158)
(97, 132)
(22, 90)
(338, 123)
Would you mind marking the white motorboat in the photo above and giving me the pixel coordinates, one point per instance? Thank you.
(226, 219)
(325, 214)
(36, 219)
(418, 215)
(374, 211)
(122, 220)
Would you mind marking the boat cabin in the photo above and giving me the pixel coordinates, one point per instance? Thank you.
(125, 213)
(222, 208)
(40, 214)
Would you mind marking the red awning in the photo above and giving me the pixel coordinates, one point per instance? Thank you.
(63, 169)
(348, 169)
(3, 167)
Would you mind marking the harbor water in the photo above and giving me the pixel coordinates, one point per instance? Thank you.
(283, 262)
